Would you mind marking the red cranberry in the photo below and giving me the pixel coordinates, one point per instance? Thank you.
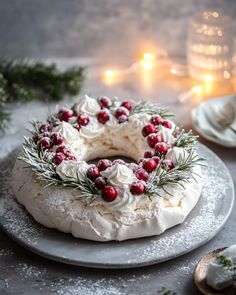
(109, 193)
(64, 150)
(93, 173)
(103, 117)
(148, 154)
(122, 119)
(148, 129)
(168, 163)
(149, 165)
(58, 158)
(156, 120)
(141, 174)
(65, 114)
(127, 104)
(137, 188)
(103, 164)
(104, 102)
(152, 139)
(100, 182)
(166, 124)
(133, 166)
(161, 148)
(83, 119)
(121, 111)
(157, 159)
(45, 128)
(56, 138)
(45, 142)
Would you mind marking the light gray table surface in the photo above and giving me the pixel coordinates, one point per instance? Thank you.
(22, 272)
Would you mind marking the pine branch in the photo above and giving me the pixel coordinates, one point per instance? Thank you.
(150, 109)
(185, 139)
(165, 291)
(176, 177)
(24, 81)
(45, 170)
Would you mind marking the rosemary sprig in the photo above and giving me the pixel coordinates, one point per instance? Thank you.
(45, 170)
(150, 109)
(185, 139)
(176, 177)
(165, 291)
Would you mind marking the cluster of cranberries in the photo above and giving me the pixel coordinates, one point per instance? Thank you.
(121, 112)
(53, 141)
(66, 114)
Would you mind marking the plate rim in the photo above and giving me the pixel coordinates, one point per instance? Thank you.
(117, 265)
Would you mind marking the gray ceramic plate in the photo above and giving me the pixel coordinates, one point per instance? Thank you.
(203, 223)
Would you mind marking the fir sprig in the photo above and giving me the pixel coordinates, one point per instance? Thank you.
(25, 81)
(45, 170)
(176, 177)
(185, 139)
(150, 109)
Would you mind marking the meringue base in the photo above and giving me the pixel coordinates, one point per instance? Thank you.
(64, 209)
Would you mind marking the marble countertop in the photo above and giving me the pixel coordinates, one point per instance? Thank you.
(22, 272)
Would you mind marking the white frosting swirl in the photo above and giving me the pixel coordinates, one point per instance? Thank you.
(71, 169)
(88, 106)
(166, 134)
(119, 175)
(92, 130)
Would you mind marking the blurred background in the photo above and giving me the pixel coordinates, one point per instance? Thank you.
(107, 29)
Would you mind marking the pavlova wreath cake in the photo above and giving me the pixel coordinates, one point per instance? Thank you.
(112, 200)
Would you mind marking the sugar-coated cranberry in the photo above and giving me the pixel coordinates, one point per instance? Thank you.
(127, 104)
(58, 158)
(156, 120)
(83, 119)
(109, 193)
(45, 128)
(148, 154)
(166, 124)
(103, 117)
(104, 102)
(119, 161)
(152, 139)
(93, 173)
(100, 182)
(148, 129)
(45, 142)
(121, 111)
(137, 188)
(141, 174)
(161, 148)
(65, 114)
(56, 138)
(133, 166)
(149, 165)
(168, 164)
(104, 164)
(157, 159)
(64, 150)
(37, 138)
(122, 119)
